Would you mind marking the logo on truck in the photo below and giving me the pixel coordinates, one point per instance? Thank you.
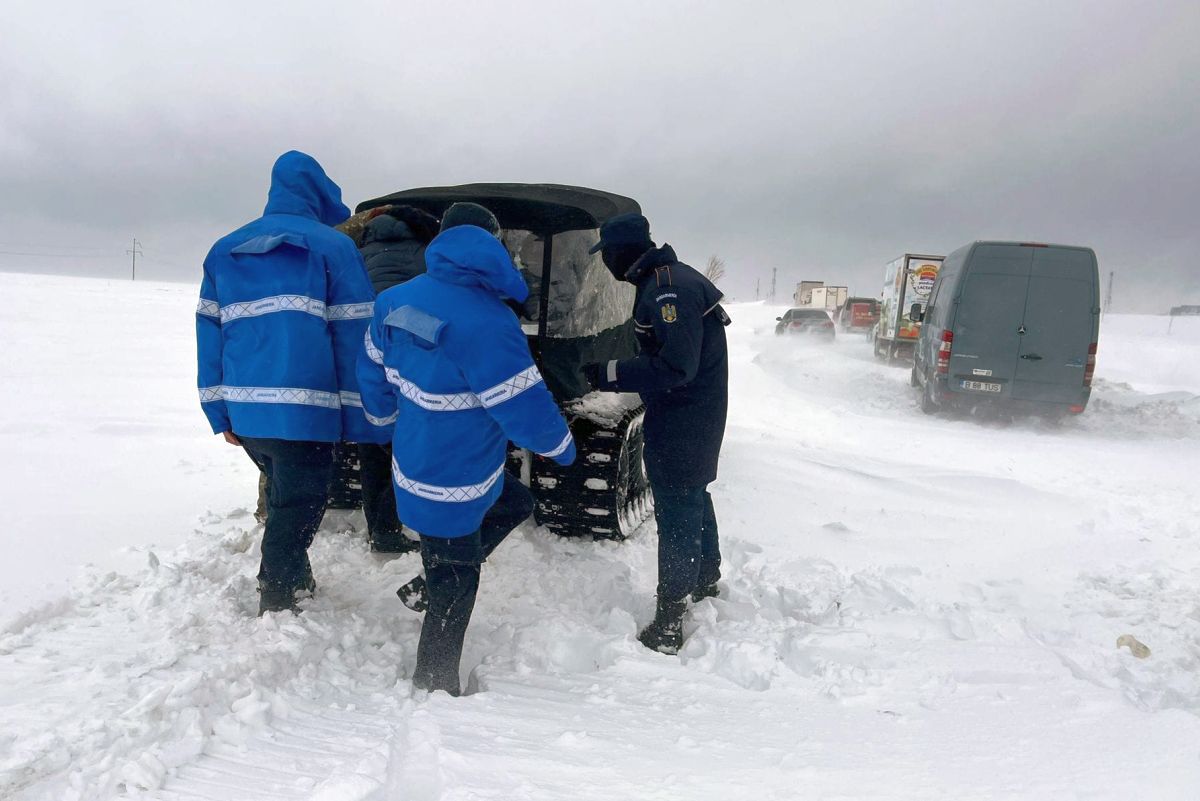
(924, 277)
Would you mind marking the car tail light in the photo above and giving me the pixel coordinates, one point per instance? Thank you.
(1091, 366)
(1076, 409)
(943, 354)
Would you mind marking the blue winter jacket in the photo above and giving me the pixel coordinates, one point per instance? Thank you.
(284, 304)
(446, 359)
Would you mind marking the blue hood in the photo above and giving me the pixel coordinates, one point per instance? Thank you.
(300, 186)
(469, 256)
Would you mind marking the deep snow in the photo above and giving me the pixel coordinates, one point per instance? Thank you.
(913, 607)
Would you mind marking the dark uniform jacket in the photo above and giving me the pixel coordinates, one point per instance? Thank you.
(682, 371)
(392, 253)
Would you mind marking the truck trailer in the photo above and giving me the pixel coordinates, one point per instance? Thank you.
(907, 283)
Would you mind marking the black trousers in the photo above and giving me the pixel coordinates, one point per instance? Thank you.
(378, 495)
(689, 549)
(298, 475)
(452, 581)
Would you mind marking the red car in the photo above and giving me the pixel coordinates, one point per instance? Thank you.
(858, 314)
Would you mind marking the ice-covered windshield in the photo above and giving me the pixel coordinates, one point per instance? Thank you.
(584, 298)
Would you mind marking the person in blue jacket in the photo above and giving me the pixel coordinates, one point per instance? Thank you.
(445, 359)
(682, 374)
(284, 304)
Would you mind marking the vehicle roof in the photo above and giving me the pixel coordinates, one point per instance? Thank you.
(810, 310)
(1029, 243)
(540, 208)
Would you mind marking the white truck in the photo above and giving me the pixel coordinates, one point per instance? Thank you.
(907, 281)
(816, 295)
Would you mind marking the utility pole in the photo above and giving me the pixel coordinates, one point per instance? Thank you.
(1108, 294)
(757, 284)
(773, 271)
(137, 251)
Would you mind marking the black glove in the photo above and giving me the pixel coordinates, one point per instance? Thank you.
(594, 375)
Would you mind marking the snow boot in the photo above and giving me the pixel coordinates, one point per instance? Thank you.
(414, 596)
(276, 599)
(707, 591)
(665, 633)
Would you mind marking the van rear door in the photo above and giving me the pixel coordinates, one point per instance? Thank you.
(987, 320)
(1059, 324)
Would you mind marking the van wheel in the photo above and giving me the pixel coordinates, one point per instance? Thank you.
(928, 404)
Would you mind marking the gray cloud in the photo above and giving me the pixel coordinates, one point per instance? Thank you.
(817, 140)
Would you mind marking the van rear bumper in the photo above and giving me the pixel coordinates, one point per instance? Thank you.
(953, 397)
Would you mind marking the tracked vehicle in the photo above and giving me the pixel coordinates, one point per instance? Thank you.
(576, 314)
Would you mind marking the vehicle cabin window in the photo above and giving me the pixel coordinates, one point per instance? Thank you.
(931, 311)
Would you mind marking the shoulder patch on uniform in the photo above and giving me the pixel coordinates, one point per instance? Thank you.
(416, 322)
(669, 314)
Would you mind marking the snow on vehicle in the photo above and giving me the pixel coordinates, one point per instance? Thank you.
(907, 282)
(1011, 324)
(576, 315)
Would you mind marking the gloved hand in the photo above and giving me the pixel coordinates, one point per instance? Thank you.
(596, 376)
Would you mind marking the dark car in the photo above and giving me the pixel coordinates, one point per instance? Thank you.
(814, 322)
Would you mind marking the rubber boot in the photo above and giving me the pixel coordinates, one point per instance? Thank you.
(707, 591)
(665, 633)
(276, 599)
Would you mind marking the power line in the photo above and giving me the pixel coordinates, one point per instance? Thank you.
(59, 255)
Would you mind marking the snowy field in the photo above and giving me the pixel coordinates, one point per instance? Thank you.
(913, 607)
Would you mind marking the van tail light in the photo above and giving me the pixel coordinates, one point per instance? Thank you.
(1076, 409)
(1091, 365)
(943, 354)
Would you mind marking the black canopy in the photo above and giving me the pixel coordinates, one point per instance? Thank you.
(543, 209)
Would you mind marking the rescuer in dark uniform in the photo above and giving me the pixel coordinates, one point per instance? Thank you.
(682, 374)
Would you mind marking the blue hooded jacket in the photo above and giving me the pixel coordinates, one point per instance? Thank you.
(446, 360)
(284, 304)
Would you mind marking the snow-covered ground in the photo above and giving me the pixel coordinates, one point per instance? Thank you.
(912, 607)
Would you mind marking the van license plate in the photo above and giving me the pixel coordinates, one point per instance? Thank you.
(981, 386)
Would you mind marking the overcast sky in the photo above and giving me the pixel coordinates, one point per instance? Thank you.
(821, 139)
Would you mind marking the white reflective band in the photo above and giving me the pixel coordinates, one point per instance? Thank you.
(209, 308)
(304, 397)
(432, 492)
(611, 373)
(373, 353)
(381, 421)
(350, 398)
(562, 447)
(507, 390)
(278, 303)
(350, 311)
(429, 400)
